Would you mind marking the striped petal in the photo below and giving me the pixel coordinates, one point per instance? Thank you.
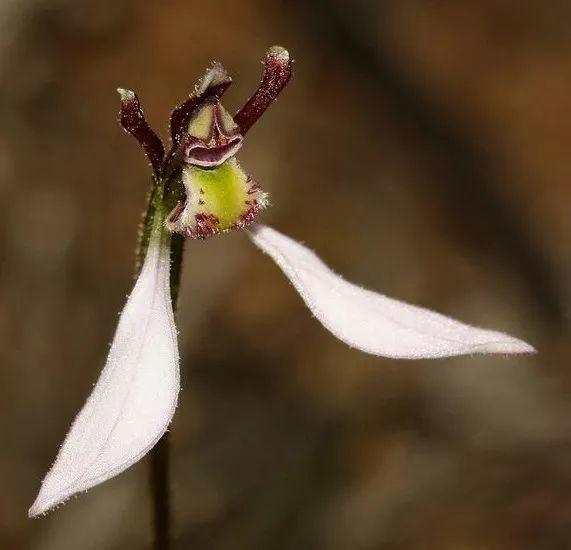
(134, 400)
(371, 322)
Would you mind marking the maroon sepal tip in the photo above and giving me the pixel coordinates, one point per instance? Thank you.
(132, 120)
(277, 72)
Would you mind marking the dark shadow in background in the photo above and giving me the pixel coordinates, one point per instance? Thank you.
(487, 219)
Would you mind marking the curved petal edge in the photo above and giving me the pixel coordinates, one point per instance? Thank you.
(135, 397)
(371, 322)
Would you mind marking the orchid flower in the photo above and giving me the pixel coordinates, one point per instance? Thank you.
(199, 190)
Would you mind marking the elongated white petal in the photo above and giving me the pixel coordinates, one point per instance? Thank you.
(370, 321)
(135, 397)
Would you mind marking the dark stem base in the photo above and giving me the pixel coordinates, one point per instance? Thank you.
(160, 493)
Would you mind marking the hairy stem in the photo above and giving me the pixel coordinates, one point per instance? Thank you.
(160, 454)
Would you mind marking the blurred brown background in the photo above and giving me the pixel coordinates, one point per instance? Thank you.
(422, 149)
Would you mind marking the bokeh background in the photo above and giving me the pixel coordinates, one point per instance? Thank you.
(422, 148)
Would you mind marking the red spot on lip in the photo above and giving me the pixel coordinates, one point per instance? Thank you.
(250, 215)
(206, 226)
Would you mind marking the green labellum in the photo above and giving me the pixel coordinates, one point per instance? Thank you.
(217, 199)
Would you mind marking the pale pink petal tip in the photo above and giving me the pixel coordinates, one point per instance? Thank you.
(135, 397)
(371, 322)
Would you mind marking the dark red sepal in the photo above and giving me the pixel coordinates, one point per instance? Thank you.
(133, 121)
(277, 72)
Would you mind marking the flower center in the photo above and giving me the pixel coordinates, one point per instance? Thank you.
(213, 136)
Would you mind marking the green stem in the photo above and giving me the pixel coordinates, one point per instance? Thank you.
(160, 454)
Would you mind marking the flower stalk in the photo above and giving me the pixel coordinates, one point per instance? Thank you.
(159, 477)
(159, 456)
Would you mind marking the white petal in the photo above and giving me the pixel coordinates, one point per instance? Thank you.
(370, 321)
(134, 400)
